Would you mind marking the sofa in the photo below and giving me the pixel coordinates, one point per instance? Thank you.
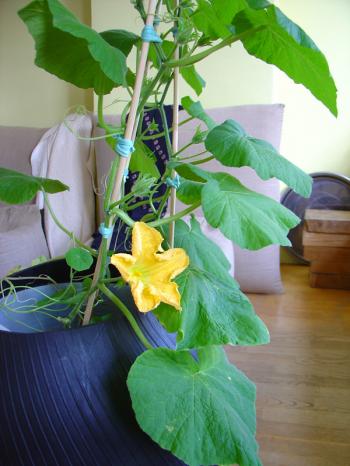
(65, 152)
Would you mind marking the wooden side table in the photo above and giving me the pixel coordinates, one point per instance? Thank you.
(326, 242)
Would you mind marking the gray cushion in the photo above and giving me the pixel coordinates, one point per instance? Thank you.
(16, 146)
(21, 237)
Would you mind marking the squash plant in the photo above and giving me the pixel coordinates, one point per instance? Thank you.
(191, 400)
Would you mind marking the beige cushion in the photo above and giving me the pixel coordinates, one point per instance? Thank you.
(61, 155)
(21, 237)
(256, 271)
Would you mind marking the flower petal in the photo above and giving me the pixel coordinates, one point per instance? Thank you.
(144, 298)
(123, 262)
(169, 264)
(167, 293)
(146, 240)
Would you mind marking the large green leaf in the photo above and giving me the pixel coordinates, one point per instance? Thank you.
(213, 17)
(233, 147)
(71, 50)
(279, 41)
(196, 110)
(121, 39)
(189, 192)
(226, 10)
(18, 188)
(216, 312)
(193, 79)
(248, 218)
(169, 317)
(190, 171)
(142, 160)
(251, 220)
(207, 22)
(202, 411)
(203, 253)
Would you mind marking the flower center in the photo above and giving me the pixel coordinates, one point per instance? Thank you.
(148, 270)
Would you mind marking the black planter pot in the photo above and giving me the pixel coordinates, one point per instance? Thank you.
(63, 394)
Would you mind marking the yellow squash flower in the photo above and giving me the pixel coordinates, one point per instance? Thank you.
(149, 270)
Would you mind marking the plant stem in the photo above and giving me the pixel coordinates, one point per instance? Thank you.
(193, 156)
(177, 216)
(110, 184)
(124, 216)
(163, 202)
(166, 130)
(100, 118)
(121, 201)
(129, 221)
(146, 201)
(64, 229)
(150, 87)
(207, 159)
(127, 314)
(113, 280)
(71, 316)
(165, 92)
(186, 146)
(200, 56)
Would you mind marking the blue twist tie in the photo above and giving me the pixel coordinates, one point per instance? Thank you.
(126, 174)
(149, 34)
(173, 182)
(156, 21)
(124, 147)
(106, 232)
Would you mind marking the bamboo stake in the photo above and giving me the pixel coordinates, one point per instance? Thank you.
(175, 141)
(140, 73)
(123, 161)
(147, 70)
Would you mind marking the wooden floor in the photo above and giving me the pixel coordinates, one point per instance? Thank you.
(303, 376)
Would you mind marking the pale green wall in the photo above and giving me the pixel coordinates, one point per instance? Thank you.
(312, 137)
(28, 95)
